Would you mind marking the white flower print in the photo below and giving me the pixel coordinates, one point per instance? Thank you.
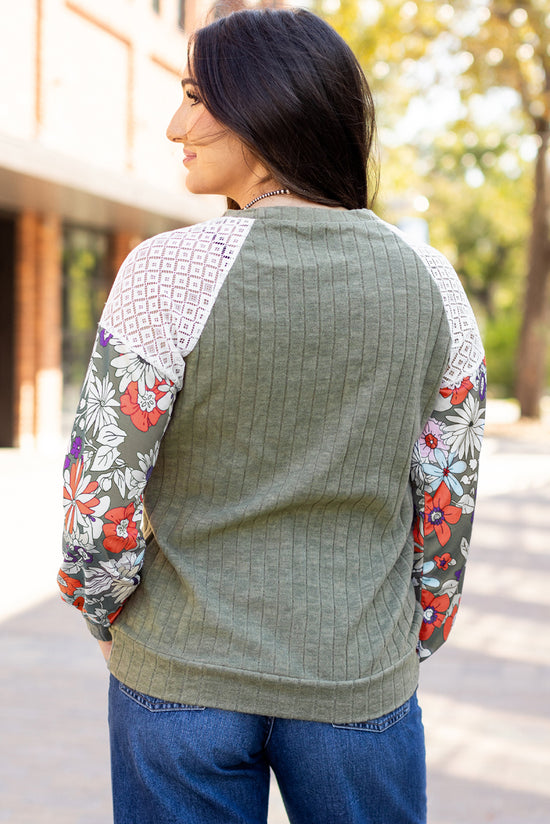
(417, 473)
(442, 403)
(78, 551)
(449, 588)
(119, 575)
(464, 429)
(105, 476)
(99, 615)
(92, 368)
(136, 478)
(101, 405)
(83, 509)
(129, 367)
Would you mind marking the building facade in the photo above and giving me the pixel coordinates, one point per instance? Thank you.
(86, 172)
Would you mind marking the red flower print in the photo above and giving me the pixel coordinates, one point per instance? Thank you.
(122, 532)
(457, 393)
(439, 513)
(434, 612)
(448, 625)
(79, 603)
(79, 491)
(443, 561)
(430, 440)
(143, 407)
(67, 584)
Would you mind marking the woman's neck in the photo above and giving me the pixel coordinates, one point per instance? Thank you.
(289, 200)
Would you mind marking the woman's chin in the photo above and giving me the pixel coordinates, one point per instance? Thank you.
(192, 187)
(196, 188)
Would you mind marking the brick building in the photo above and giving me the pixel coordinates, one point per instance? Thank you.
(86, 172)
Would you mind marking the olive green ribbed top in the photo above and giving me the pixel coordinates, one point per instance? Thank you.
(277, 576)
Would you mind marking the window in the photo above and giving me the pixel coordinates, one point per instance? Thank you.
(7, 329)
(86, 284)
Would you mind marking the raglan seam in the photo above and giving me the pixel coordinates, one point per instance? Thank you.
(175, 294)
(472, 361)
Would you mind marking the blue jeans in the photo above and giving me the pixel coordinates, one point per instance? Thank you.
(180, 764)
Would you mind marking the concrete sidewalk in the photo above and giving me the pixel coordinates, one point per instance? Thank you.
(484, 695)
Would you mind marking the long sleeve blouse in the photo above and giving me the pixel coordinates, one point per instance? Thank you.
(302, 538)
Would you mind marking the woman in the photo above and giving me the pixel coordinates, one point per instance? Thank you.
(299, 544)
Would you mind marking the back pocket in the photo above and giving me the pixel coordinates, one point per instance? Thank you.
(379, 724)
(153, 704)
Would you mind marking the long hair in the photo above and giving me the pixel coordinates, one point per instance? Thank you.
(292, 90)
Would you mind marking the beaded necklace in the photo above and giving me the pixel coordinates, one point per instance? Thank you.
(267, 194)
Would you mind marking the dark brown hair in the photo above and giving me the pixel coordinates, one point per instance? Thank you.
(293, 91)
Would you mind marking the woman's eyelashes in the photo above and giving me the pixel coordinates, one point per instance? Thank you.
(193, 96)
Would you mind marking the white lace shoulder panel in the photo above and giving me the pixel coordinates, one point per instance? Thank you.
(166, 288)
(466, 346)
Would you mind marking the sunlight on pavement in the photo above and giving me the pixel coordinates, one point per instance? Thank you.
(504, 749)
(502, 472)
(30, 491)
(484, 698)
(502, 636)
(515, 583)
(485, 701)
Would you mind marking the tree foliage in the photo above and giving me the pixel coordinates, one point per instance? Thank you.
(491, 60)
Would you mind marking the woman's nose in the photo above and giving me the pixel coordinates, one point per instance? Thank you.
(176, 128)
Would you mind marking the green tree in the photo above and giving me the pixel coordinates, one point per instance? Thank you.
(483, 230)
(512, 48)
(478, 48)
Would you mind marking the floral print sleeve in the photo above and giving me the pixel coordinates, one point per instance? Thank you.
(124, 410)
(444, 477)
(445, 463)
(154, 317)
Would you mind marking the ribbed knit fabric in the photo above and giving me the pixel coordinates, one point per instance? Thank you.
(277, 576)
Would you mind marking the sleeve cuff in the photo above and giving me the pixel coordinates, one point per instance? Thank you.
(99, 633)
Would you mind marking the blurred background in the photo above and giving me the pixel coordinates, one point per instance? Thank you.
(463, 93)
(87, 88)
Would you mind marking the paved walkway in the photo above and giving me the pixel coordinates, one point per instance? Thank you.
(485, 694)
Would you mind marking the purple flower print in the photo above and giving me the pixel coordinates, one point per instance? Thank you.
(104, 337)
(481, 379)
(431, 439)
(76, 448)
